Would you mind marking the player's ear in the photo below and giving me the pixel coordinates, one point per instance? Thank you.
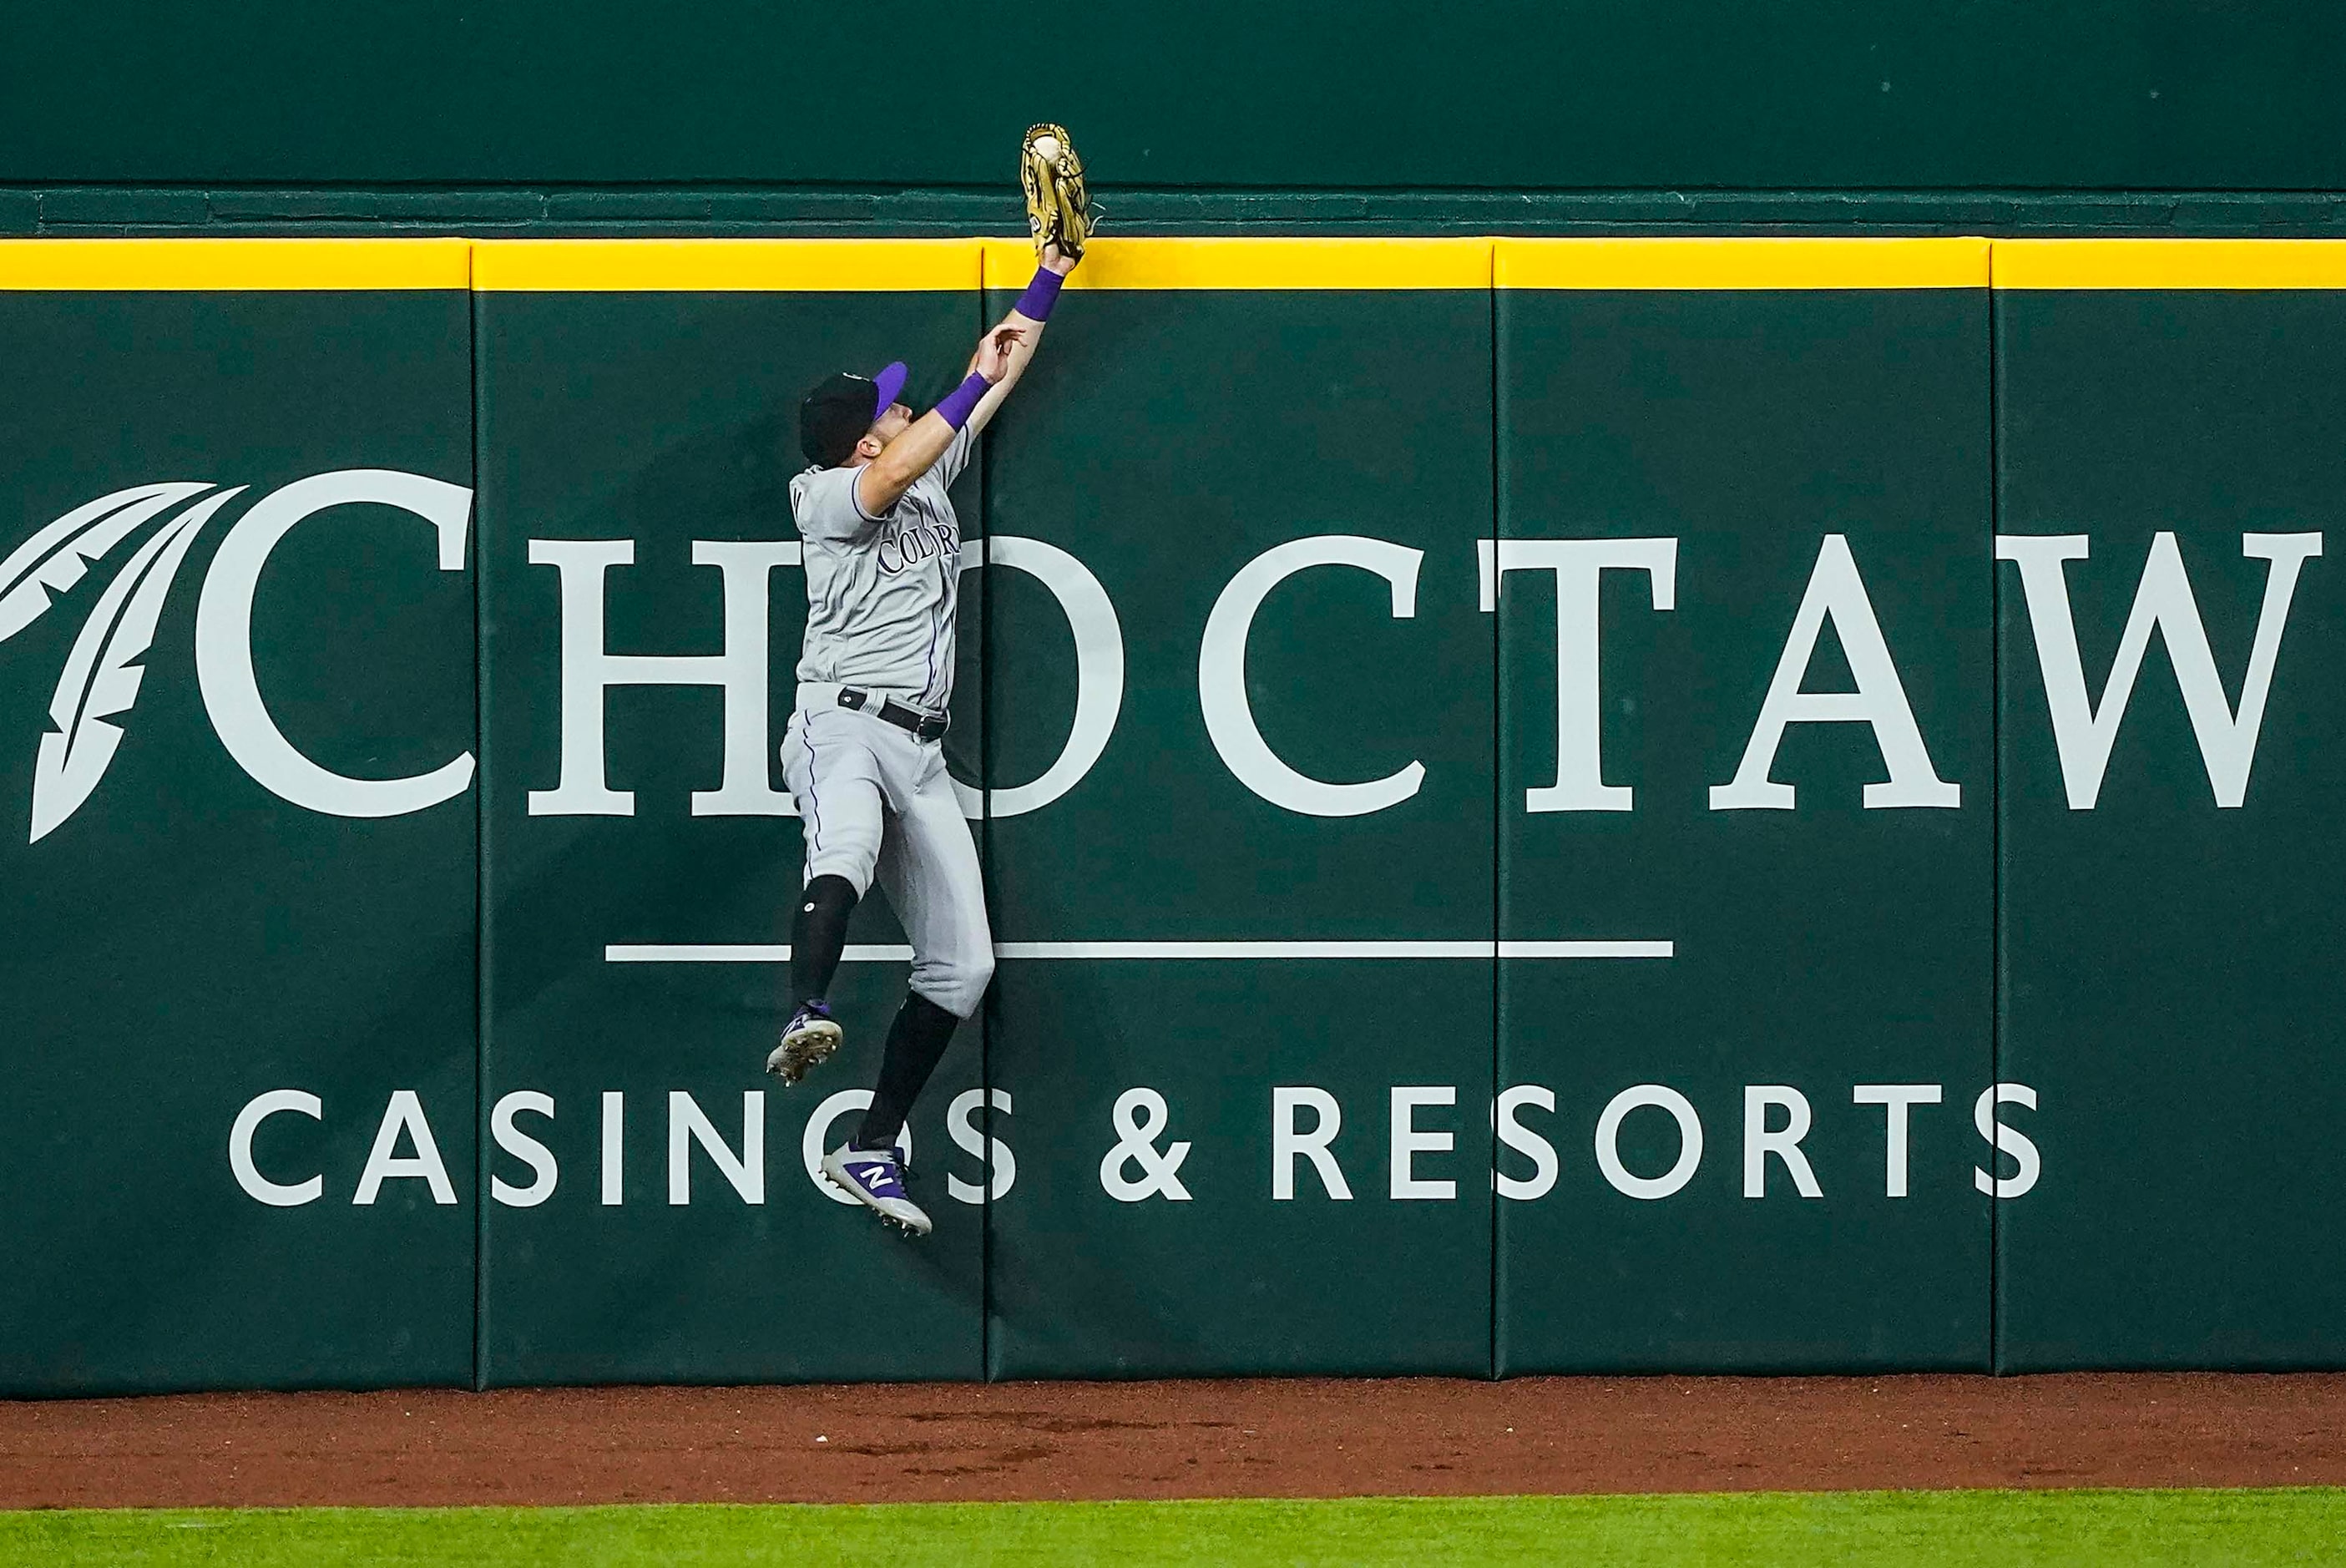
(868, 447)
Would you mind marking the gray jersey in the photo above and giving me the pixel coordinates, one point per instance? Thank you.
(882, 592)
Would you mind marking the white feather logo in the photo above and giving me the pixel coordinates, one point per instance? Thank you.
(102, 673)
(54, 559)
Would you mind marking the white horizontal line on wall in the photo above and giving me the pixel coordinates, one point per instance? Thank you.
(1591, 948)
(723, 952)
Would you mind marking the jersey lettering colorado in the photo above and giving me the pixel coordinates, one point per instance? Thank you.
(880, 592)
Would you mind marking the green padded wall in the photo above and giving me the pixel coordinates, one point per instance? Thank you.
(2170, 928)
(1373, 657)
(183, 938)
(1170, 439)
(1753, 437)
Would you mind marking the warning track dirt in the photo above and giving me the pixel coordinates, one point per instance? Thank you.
(1253, 1437)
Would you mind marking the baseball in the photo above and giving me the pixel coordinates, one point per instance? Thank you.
(1048, 146)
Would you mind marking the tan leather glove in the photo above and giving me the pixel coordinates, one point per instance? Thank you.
(1058, 205)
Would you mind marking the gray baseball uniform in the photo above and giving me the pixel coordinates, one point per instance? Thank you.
(881, 591)
(876, 802)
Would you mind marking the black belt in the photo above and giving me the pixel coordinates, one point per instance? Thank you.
(922, 725)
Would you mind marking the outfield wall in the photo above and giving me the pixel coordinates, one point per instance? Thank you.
(1549, 805)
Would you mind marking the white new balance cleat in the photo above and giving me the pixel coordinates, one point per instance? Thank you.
(872, 1178)
(808, 1041)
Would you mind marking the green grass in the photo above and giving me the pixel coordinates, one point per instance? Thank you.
(1929, 1528)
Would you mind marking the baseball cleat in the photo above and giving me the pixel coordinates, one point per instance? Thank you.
(808, 1041)
(872, 1178)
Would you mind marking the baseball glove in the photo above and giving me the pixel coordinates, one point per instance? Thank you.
(1058, 205)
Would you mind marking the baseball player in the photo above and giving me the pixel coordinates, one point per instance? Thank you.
(861, 754)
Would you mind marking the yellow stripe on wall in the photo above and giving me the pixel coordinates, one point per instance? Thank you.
(1219, 263)
(167, 265)
(1742, 263)
(2170, 264)
(847, 266)
(725, 266)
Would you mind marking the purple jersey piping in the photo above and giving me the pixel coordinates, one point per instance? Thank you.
(815, 801)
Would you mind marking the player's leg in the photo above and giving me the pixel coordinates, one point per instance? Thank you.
(929, 872)
(835, 781)
(818, 935)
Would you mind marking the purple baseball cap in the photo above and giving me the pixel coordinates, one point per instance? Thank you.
(837, 412)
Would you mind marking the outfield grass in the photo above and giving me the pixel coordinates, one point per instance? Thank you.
(2294, 1525)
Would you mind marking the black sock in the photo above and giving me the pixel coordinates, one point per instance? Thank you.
(819, 936)
(915, 1042)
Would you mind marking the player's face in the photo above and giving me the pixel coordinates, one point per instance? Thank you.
(893, 424)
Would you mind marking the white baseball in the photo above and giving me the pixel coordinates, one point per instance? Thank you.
(1047, 146)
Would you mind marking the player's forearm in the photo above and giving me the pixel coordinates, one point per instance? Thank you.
(1031, 333)
(1030, 315)
(991, 403)
(904, 460)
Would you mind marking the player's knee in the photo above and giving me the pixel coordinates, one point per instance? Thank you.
(980, 974)
(957, 984)
(851, 862)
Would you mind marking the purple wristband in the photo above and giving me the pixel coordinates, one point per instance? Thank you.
(962, 402)
(1042, 293)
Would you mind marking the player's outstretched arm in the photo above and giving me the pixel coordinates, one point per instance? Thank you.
(1033, 310)
(882, 481)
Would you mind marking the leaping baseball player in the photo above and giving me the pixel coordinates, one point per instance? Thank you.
(861, 754)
